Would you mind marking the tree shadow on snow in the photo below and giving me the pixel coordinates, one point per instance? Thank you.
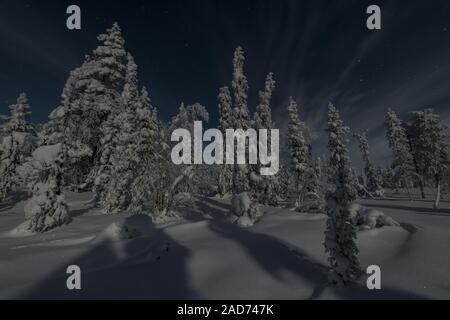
(206, 208)
(151, 266)
(276, 257)
(271, 254)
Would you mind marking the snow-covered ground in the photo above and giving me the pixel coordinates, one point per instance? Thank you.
(207, 257)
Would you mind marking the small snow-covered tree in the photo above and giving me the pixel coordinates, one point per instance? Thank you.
(185, 119)
(167, 178)
(16, 145)
(431, 148)
(263, 120)
(340, 232)
(10, 160)
(298, 150)
(20, 113)
(47, 209)
(402, 166)
(225, 122)
(373, 183)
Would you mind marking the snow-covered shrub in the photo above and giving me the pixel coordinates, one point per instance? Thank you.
(263, 120)
(372, 179)
(367, 219)
(245, 208)
(311, 203)
(47, 208)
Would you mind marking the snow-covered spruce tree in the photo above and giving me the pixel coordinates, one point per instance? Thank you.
(244, 202)
(148, 155)
(298, 150)
(90, 93)
(431, 148)
(314, 200)
(225, 122)
(283, 182)
(20, 113)
(263, 120)
(340, 232)
(373, 183)
(122, 158)
(10, 159)
(402, 166)
(241, 118)
(16, 145)
(47, 209)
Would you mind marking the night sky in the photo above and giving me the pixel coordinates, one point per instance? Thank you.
(319, 51)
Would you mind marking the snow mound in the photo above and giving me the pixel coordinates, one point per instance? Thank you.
(21, 230)
(131, 227)
(244, 222)
(243, 206)
(240, 204)
(118, 231)
(368, 219)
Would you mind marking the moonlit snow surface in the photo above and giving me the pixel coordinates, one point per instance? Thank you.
(205, 256)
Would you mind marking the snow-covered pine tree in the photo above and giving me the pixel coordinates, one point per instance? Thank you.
(340, 232)
(17, 144)
(373, 183)
(47, 209)
(402, 166)
(263, 120)
(225, 122)
(431, 148)
(298, 150)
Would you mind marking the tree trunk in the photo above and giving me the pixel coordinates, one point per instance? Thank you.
(438, 195)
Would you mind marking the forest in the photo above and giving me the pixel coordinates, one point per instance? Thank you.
(106, 144)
